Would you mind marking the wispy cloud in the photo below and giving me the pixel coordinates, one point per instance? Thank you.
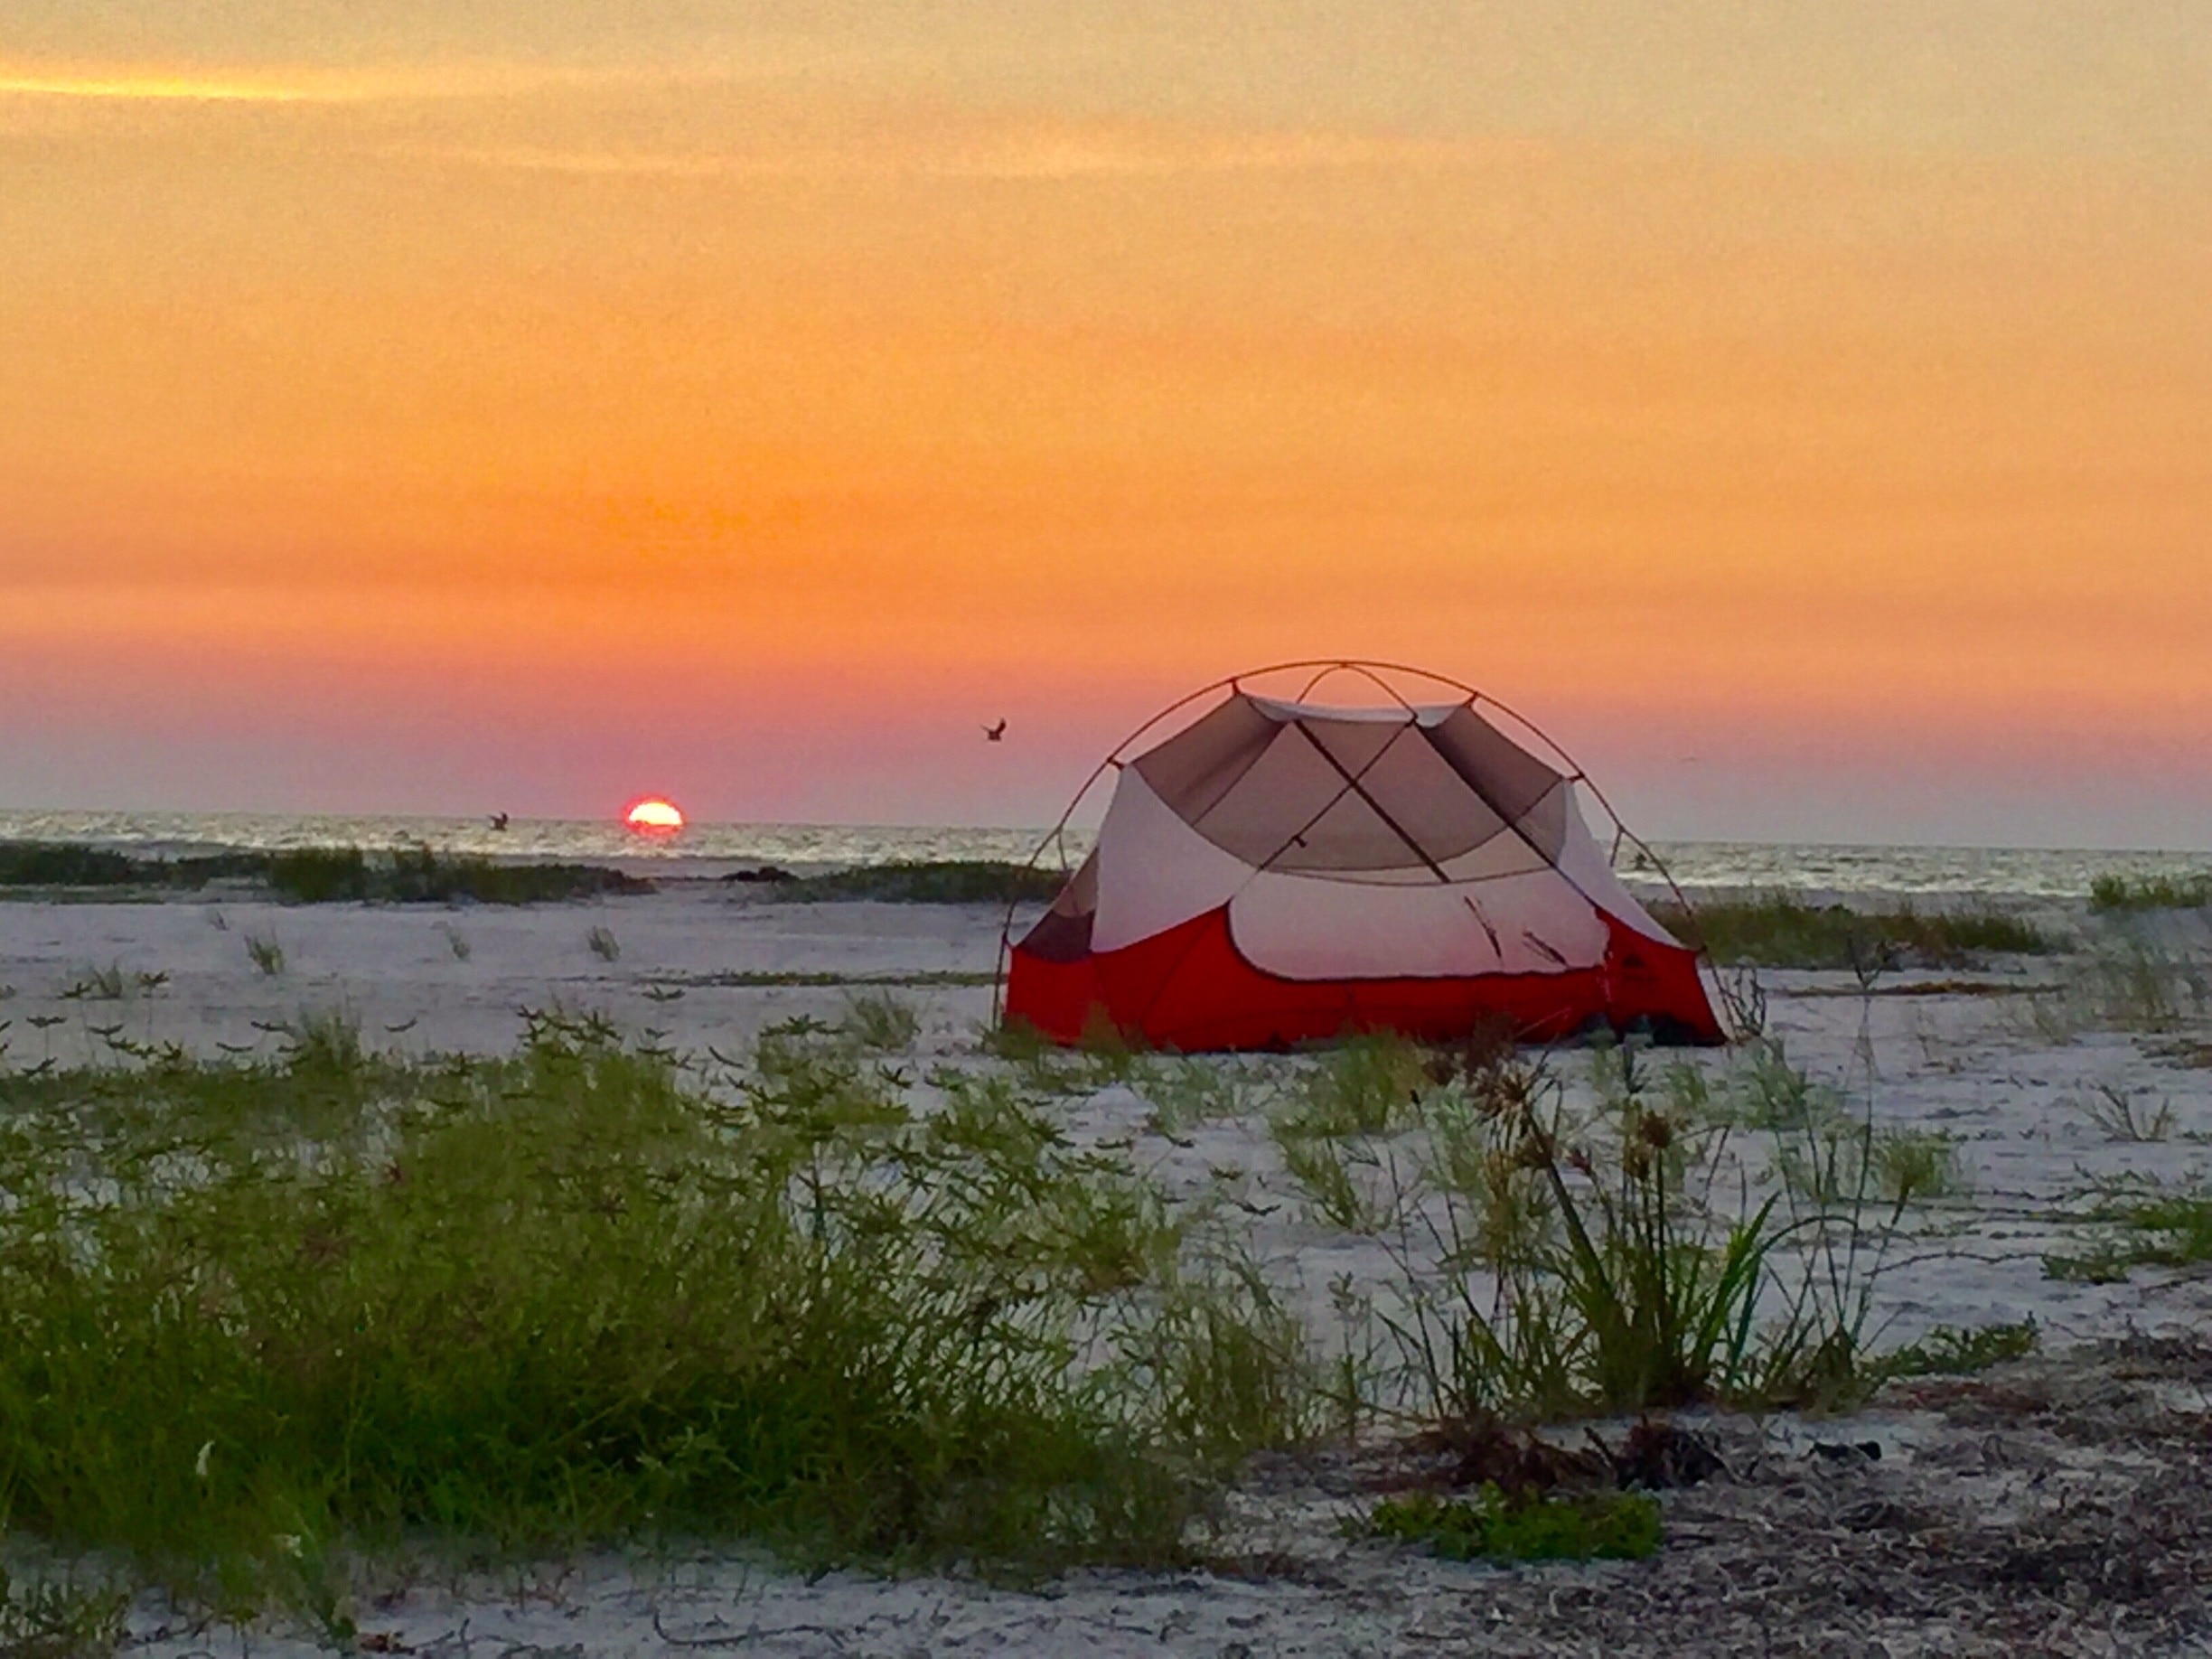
(304, 84)
(1039, 154)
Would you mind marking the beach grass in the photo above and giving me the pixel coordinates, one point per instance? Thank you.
(2123, 894)
(1619, 1526)
(1953, 1351)
(2138, 1224)
(263, 1312)
(950, 881)
(1777, 931)
(316, 875)
(418, 876)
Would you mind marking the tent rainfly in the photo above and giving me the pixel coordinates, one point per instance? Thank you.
(1280, 871)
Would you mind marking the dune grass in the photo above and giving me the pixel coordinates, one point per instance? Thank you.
(951, 881)
(2123, 894)
(1621, 1526)
(1778, 931)
(69, 864)
(418, 876)
(261, 1313)
(2141, 1223)
(316, 875)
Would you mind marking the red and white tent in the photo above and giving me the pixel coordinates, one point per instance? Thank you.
(1280, 871)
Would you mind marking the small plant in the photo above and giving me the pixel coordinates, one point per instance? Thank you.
(2139, 1225)
(1915, 1166)
(1951, 1351)
(1366, 1085)
(878, 1023)
(1184, 1093)
(106, 984)
(267, 955)
(1619, 1526)
(1336, 1175)
(2115, 1111)
(604, 945)
(54, 1619)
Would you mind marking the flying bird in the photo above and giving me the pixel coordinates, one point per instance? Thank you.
(498, 821)
(996, 734)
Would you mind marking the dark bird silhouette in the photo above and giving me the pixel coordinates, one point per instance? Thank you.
(498, 821)
(996, 734)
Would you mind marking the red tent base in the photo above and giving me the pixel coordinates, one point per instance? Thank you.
(1190, 989)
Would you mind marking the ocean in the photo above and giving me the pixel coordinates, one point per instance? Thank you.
(714, 849)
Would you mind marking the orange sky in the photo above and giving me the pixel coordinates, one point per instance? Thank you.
(433, 407)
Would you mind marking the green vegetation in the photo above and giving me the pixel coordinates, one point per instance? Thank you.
(319, 875)
(2110, 895)
(2140, 1224)
(263, 1313)
(877, 1023)
(66, 864)
(952, 881)
(1588, 1264)
(2128, 987)
(51, 1618)
(1780, 932)
(267, 955)
(1620, 1526)
(418, 875)
(1952, 1351)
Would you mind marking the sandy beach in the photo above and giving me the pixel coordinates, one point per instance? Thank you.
(2037, 1507)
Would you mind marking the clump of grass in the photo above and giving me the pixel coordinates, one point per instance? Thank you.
(106, 984)
(602, 944)
(878, 1023)
(2123, 894)
(2145, 1226)
(54, 1618)
(267, 1311)
(1620, 1526)
(1600, 1260)
(1778, 931)
(1184, 1093)
(1366, 1085)
(2130, 987)
(2115, 1111)
(1915, 1166)
(952, 881)
(1951, 1351)
(267, 955)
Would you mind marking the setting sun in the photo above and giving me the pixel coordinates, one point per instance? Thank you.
(654, 816)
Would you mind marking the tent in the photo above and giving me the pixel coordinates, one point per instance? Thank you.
(1280, 870)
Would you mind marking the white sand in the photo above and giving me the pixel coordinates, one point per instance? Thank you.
(1973, 1065)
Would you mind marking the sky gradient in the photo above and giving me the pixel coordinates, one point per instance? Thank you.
(1805, 412)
